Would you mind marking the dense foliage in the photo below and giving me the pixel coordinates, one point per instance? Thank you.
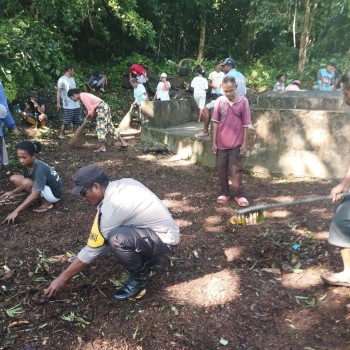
(265, 36)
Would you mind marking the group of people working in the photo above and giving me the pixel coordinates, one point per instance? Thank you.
(130, 219)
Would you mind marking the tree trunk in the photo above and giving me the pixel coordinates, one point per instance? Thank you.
(201, 46)
(310, 5)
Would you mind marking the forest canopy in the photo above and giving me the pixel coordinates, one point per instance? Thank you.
(266, 37)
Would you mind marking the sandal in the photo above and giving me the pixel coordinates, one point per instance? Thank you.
(202, 134)
(222, 199)
(242, 201)
(42, 208)
(331, 280)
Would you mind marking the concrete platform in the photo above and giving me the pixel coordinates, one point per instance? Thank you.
(310, 100)
(288, 142)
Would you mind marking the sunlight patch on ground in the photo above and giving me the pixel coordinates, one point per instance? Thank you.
(322, 236)
(232, 253)
(213, 220)
(183, 223)
(306, 279)
(279, 214)
(148, 157)
(179, 205)
(212, 289)
(170, 161)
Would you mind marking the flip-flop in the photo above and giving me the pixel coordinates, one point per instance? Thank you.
(222, 199)
(201, 134)
(124, 146)
(325, 278)
(42, 209)
(242, 201)
(99, 150)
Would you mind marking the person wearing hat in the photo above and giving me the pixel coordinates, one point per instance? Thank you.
(294, 86)
(34, 111)
(326, 78)
(5, 118)
(200, 86)
(131, 221)
(163, 87)
(230, 71)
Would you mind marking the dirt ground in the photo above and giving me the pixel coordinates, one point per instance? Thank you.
(254, 287)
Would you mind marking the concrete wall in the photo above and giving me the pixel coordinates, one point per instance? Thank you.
(310, 100)
(289, 142)
(300, 142)
(162, 114)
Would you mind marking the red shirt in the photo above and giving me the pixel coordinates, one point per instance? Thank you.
(137, 69)
(232, 119)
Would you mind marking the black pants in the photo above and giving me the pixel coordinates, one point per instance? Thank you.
(230, 160)
(134, 246)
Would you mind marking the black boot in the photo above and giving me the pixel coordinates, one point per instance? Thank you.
(137, 281)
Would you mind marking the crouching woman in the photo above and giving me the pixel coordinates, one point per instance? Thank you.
(39, 181)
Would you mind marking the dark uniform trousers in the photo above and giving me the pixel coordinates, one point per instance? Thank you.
(134, 246)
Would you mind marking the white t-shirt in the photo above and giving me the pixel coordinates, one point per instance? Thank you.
(65, 84)
(216, 80)
(162, 92)
(199, 85)
(128, 202)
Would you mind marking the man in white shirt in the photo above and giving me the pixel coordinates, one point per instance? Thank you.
(215, 80)
(72, 112)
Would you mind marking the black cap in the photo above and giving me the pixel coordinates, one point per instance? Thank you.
(85, 176)
(228, 61)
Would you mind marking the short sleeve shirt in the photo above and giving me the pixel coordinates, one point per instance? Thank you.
(216, 80)
(65, 84)
(325, 80)
(163, 92)
(279, 86)
(44, 175)
(139, 93)
(90, 101)
(128, 202)
(231, 119)
(240, 81)
(199, 85)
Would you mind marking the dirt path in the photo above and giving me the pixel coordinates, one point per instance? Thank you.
(225, 287)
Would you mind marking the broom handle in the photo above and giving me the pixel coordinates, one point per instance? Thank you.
(285, 204)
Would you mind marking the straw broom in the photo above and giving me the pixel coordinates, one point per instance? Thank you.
(75, 139)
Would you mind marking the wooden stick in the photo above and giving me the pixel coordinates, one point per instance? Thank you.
(285, 204)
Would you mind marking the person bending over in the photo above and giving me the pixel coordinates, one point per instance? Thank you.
(131, 221)
(101, 110)
(39, 181)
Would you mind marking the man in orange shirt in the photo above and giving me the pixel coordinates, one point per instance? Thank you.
(97, 107)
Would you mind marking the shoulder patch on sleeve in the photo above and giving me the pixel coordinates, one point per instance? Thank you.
(96, 239)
